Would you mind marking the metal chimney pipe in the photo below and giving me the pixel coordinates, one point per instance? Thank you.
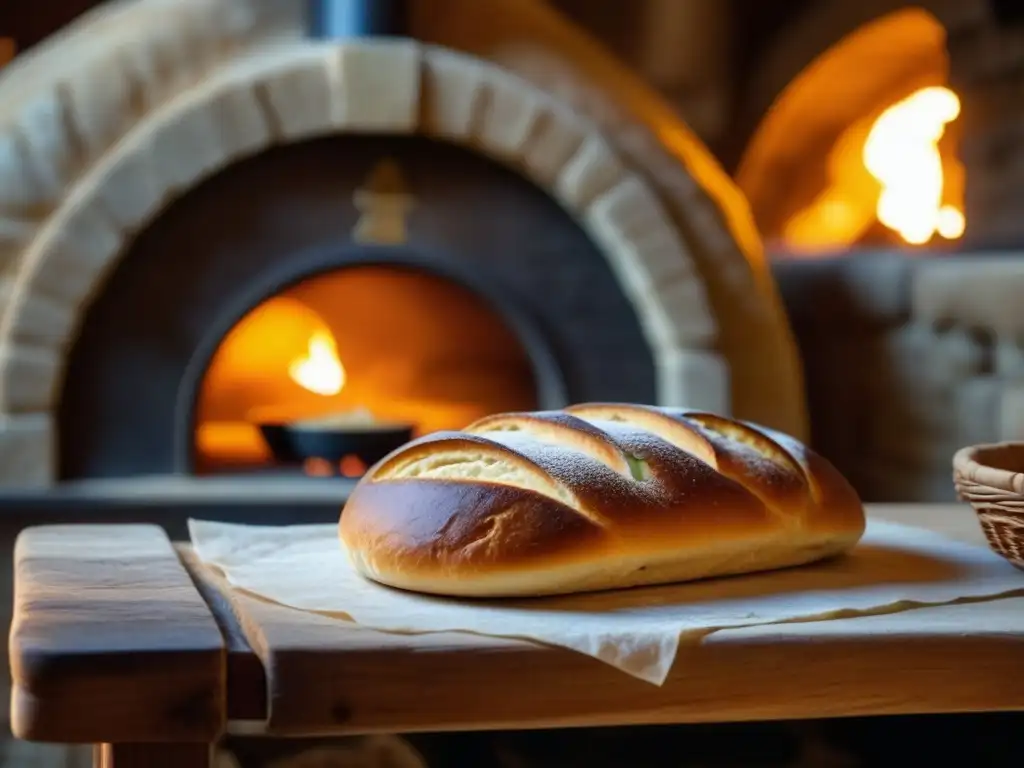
(340, 19)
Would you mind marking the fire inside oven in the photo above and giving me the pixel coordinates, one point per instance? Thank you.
(334, 372)
(861, 150)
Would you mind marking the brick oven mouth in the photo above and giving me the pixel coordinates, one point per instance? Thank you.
(347, 351)
(241, 156)
(263, 484)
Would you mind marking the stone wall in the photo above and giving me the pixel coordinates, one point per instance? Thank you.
(908, 358)
(987, 70)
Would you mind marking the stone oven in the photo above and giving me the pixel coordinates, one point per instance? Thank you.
(207, 210)
(494, 213)
(197, 196)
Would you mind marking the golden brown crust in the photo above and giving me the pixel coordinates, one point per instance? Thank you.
(592, 497)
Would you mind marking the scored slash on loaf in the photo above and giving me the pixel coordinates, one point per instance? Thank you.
(595, 496)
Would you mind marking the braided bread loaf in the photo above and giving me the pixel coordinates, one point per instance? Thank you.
(593, 497)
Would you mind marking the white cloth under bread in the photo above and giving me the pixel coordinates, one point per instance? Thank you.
(638, 630)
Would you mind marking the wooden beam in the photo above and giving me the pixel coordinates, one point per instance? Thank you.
(110, 640)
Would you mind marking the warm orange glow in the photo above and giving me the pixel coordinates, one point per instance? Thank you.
(318, 369)
(951, 222)
(367, 343)
(7, 50)
(352, 466)
(902, 153)
(318, 468)
(349, 466)
(888, 169)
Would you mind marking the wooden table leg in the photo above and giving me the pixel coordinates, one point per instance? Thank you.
(152, 756)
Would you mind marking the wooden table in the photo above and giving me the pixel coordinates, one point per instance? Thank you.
(124, 640)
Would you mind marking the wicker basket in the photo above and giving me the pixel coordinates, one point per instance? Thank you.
(991, 479)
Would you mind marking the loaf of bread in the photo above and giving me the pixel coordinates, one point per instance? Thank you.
(597, 496)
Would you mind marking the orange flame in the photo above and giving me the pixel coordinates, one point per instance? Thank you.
(319, 369)
(902, 153)
(891, 171)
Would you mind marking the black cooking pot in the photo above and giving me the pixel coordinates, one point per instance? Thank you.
(294, 443)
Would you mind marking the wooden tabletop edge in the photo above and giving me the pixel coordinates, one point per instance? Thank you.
(110, 640)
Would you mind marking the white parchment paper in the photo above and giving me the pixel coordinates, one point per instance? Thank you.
(637, 630)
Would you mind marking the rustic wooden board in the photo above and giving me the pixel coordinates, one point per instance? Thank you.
(327, 677)
(246, 679)
(110, 641)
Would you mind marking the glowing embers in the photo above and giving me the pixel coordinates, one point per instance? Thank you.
(350, 466)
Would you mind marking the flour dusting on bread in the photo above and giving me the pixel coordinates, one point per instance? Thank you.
(595, 496)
